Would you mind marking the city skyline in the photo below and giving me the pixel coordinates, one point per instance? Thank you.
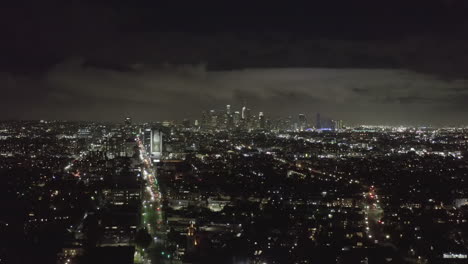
(398, 64)
(232, 132)
(362, 100)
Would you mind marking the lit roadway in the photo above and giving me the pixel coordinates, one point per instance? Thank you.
(374, 213)
(152, 214)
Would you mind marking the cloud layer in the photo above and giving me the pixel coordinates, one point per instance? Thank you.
(79, 91)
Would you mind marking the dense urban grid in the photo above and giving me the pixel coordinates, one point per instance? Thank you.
(232, 187)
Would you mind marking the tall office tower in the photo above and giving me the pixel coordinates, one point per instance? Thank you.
(226, 117)
(289, 123)
(338, 124)
(248, 114)
(236, 118)
(230, 122)
(334, 124)
(269, 124)
(261, 120)
(204, 120)
(147, 134)
(243, 112)
(213, 118)
(302, 122)
(248, 119)
(128, 121)
(318, 124)
(156, 144)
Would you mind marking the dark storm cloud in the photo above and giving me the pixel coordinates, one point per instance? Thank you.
(428, 37)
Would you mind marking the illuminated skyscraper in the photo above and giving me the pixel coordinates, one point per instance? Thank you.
(338, 124)
(318, 124)
(248, 114)
(228, 109)
(302, 122)
(261, 119)
(236, 118)
(230, 121)
(289, 124)
(204, 120)
(128, 121)
(147, 139)
(156, 144)
(213, 118)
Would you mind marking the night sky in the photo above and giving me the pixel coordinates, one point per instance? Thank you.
(374, 62)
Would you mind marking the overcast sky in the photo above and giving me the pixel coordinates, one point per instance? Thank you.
(399, 63)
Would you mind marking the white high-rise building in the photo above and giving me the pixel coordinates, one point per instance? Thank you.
(156, 144)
